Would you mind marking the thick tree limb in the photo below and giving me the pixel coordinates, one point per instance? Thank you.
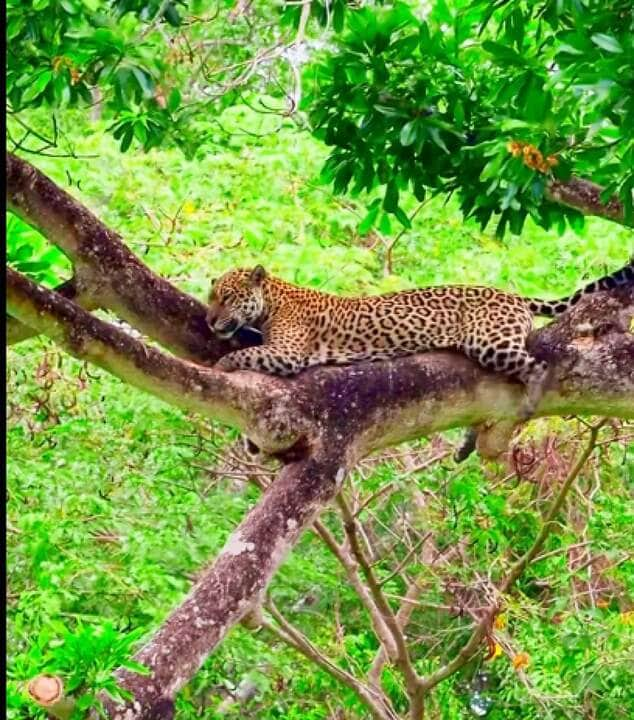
(244, 400)
(385, 403)
(585, 196)
(234, 583)
(17, 332)
(111, 273)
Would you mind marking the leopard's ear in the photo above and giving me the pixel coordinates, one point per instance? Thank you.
(257, 276)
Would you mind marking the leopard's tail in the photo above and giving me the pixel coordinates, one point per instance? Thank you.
(552, 308)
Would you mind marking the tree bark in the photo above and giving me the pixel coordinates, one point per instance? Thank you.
(585, 196)
(107, 273)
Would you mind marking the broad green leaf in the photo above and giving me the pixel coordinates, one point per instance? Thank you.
(607, 42)
(408, 133)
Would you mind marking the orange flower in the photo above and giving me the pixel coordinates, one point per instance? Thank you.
(500, 622)
(532, 157)
(515, 148)
(521, 660)
(552, 161)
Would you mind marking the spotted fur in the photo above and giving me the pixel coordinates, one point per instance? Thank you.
(303, 327)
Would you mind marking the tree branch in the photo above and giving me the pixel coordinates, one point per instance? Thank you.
(403, 660)
(240, 400)
(231, 587)
(351, 568)
(386, 402)
(375, 700)
(585, 196)
(114, 277)
(17, 332)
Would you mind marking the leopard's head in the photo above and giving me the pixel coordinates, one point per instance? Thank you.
(236, 300)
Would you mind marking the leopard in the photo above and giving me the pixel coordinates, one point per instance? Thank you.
(304, 327)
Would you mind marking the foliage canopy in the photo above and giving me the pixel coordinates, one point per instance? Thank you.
(490, 101)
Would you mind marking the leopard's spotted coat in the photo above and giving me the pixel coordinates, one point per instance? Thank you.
(303, 327)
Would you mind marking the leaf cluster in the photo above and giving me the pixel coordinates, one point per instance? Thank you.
(422, 106)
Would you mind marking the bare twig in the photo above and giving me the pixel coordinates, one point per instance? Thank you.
(375, 700)
(481, 630)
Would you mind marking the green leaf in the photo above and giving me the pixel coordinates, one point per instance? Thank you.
(503, 53)
(107, 40)
(607, 42)
(434, 134)
(140, 132)
(363, 23)
(174, 100)
(391, 111)
(369, 220)
(38, 86)
(145, 81)
(172, 16)
(402, 218)
(408, 133)
(390, 200)
(126, 141)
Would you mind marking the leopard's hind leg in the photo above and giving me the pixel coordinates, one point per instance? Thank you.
(512, 359)
(507, 355)
(518, 363)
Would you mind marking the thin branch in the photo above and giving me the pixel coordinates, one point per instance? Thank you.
(481, 630)
(403, 660)
(376, 702)
(408, 556)
(351, 567)
(402, 618)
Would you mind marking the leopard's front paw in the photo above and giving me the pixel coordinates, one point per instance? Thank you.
(226, 364)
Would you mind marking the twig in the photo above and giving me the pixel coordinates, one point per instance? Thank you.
(351, 567)
(480, 631)
(403, 660)
(376, 702)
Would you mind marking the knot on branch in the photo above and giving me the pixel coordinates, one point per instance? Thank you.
(595, 330)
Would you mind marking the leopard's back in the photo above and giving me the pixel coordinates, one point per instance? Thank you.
(466, 318)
